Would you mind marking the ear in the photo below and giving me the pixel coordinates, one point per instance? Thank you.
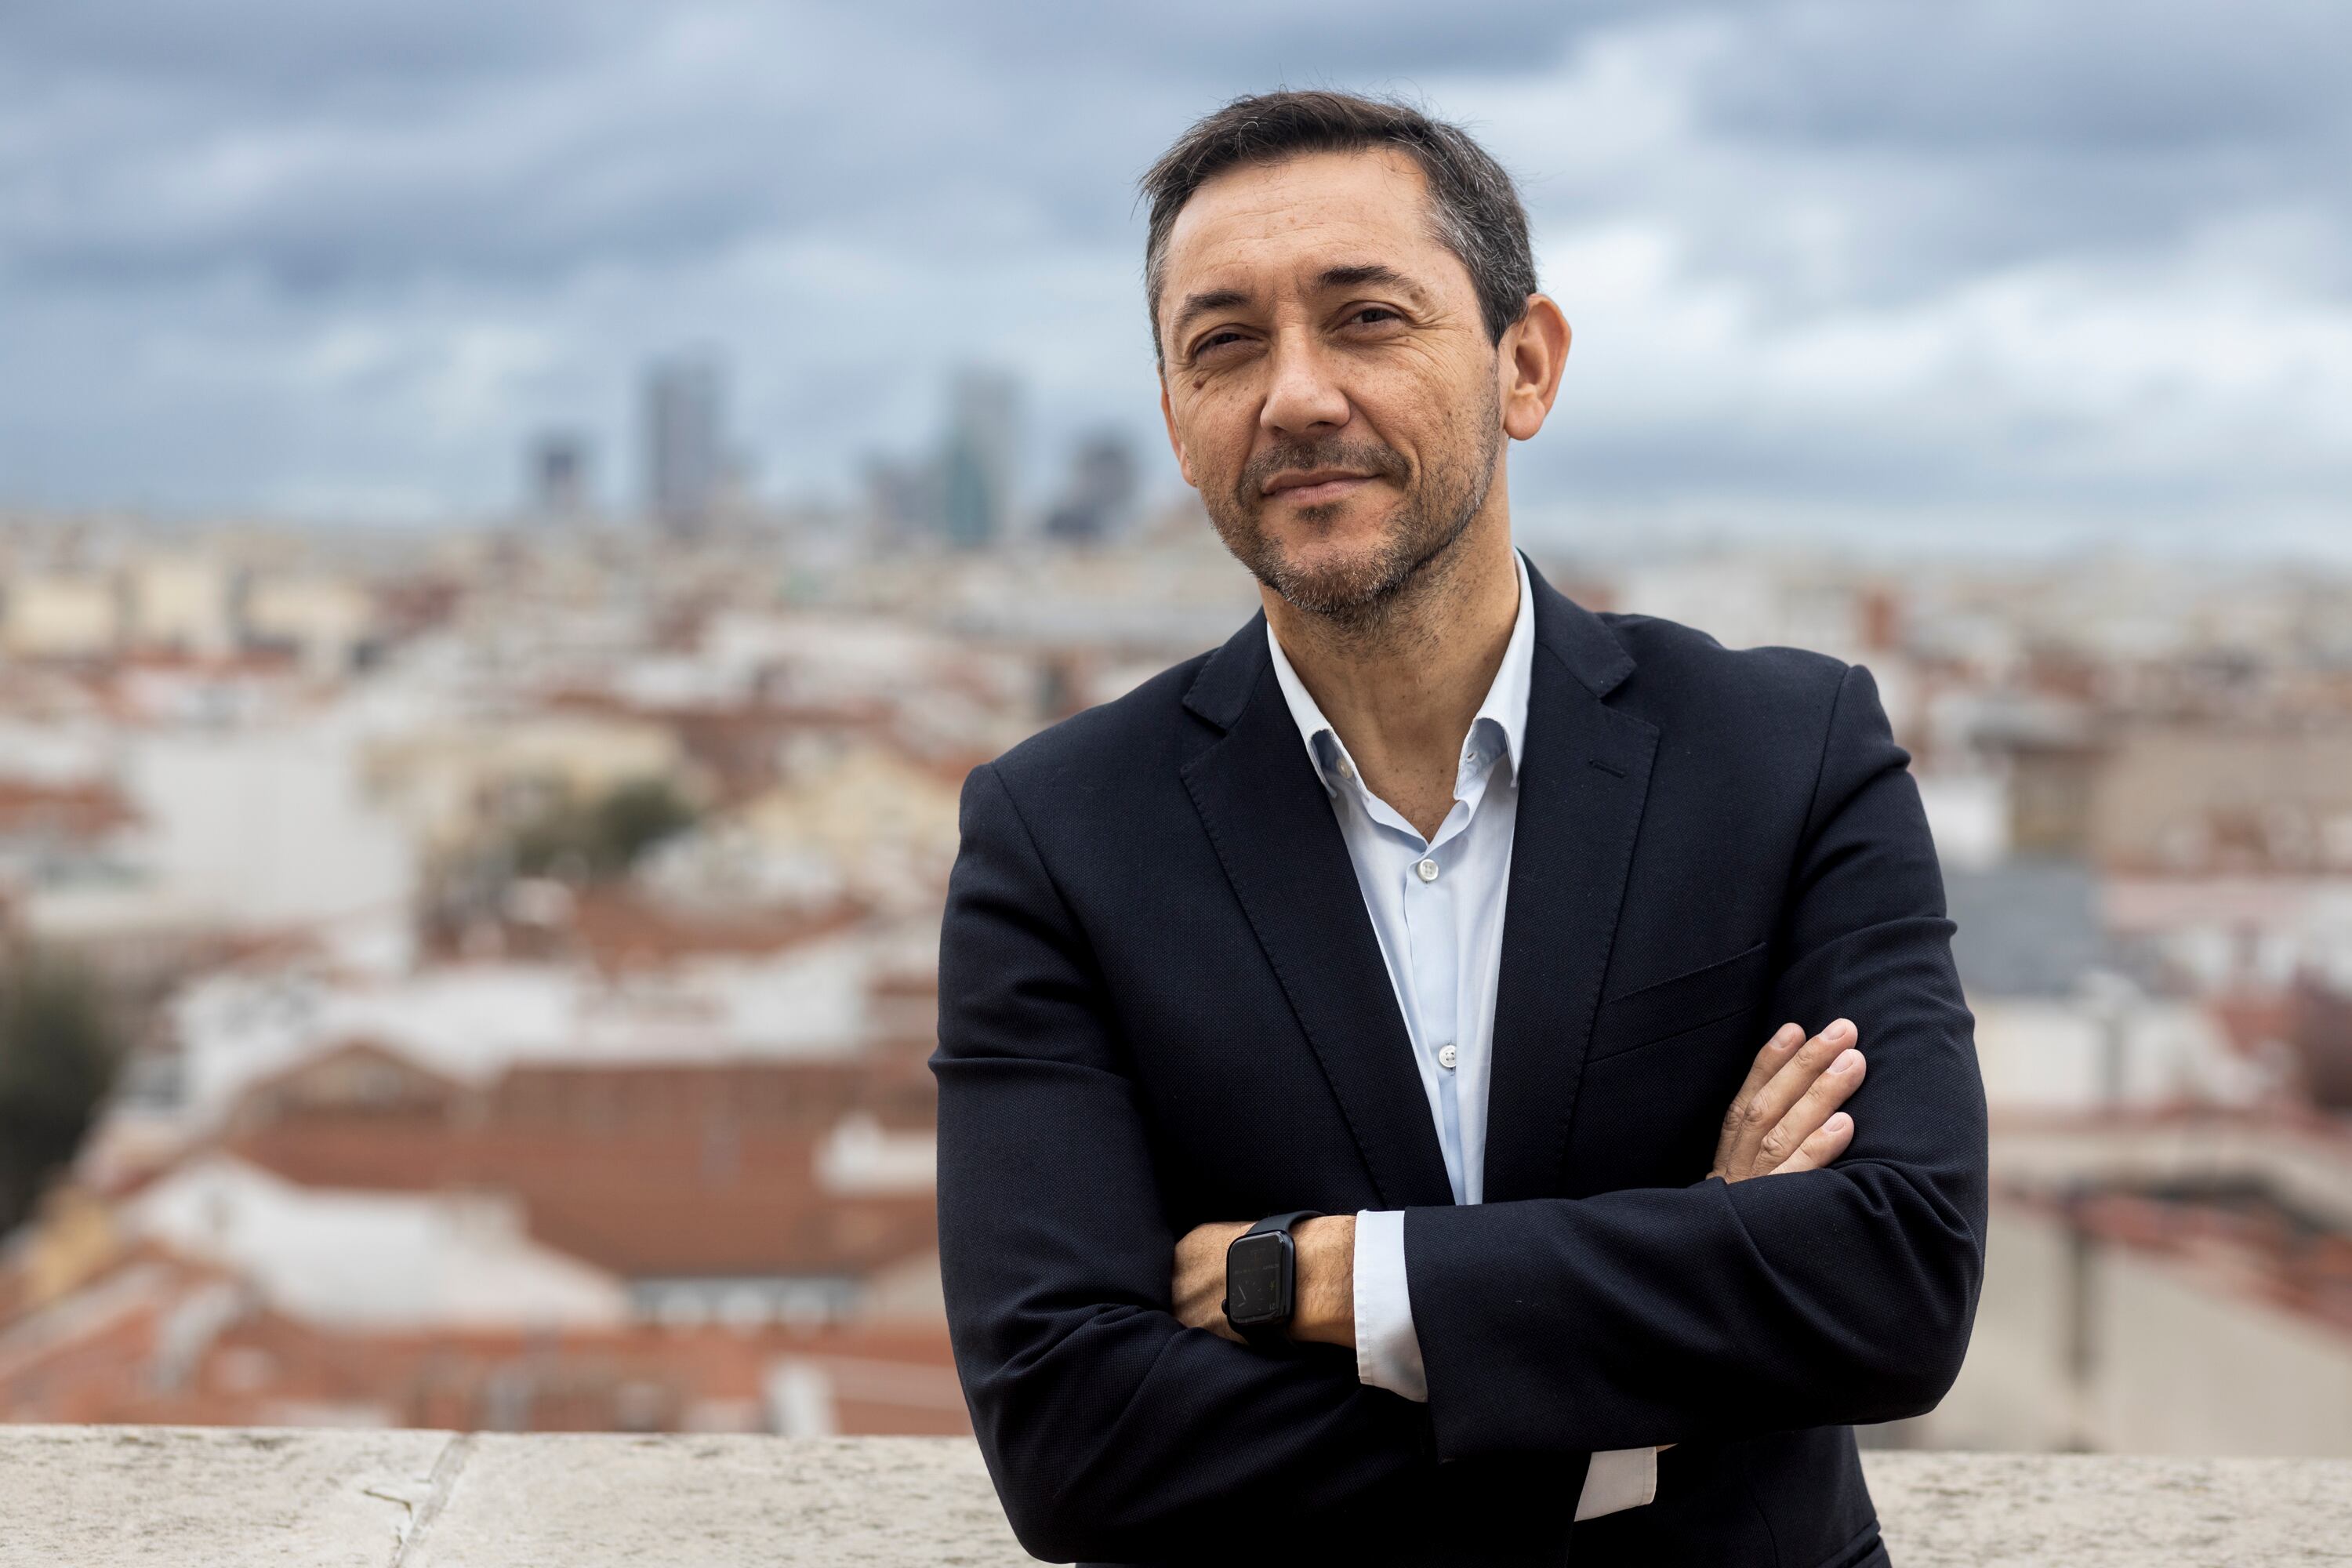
(1533, 353)
(1175, 442)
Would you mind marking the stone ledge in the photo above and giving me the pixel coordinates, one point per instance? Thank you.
(116, 1497)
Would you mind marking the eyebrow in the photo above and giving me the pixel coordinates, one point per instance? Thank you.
(1200, 304)
(1357, 276)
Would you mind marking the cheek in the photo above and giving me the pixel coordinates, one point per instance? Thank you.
(1417, 406)
(1453, 437)
(1216, 430)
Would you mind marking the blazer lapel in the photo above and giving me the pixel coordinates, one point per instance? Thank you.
(1275, 832)
(1585, 777)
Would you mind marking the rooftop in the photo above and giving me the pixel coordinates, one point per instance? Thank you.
(113, 1497)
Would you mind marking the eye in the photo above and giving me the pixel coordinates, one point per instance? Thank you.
(1373, 315)
(1216, 345)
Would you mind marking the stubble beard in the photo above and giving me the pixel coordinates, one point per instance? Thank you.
(1359, 599)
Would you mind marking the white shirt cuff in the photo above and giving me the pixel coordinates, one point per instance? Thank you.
(1388, 1355)
(1388, 1351)
(1618, 1478)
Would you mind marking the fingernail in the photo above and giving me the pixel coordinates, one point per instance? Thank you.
(1839, 1029)
(1849, 1061)
(1838, 1123)
(1787, 1035)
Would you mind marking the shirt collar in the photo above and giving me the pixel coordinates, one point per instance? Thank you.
(1505, 708)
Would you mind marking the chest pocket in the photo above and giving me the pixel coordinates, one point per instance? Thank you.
(1663, 1063)
(1726, 989)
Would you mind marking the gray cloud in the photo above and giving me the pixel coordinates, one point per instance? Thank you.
(2003, 132)
(325, 147)
(259, 251)
(2098, 78)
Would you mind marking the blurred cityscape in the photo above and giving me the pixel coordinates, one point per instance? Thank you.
(482, 978)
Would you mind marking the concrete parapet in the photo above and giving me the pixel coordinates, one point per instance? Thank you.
(116, 1497)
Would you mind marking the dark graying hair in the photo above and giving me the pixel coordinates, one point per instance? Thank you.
(1473, 207)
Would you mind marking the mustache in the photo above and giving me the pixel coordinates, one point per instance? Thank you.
(1358, 457)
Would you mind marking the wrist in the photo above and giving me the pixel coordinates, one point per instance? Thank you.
(1323, 1309)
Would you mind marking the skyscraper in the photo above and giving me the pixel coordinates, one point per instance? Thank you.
(685, 412)
(979, 469)
(1100, 489)
(559, 475)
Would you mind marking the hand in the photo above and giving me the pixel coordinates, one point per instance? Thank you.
(1323, 1292)
(1785, 1118)
(1200, 1282)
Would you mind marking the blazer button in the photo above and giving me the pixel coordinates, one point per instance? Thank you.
(1426, 869)
(1446, 1056)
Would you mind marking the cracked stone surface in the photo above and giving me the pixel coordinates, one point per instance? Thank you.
(584, 1501)
(172, 1497)
(102, 1497)
(2099, 1510)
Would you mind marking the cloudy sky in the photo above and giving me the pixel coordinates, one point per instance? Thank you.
(1966, 272)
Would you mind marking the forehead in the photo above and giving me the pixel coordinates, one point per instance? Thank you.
(1261, 222)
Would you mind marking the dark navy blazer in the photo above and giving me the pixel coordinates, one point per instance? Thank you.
(1161, 1003)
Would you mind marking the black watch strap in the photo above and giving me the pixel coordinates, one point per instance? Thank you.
(1282, 1221)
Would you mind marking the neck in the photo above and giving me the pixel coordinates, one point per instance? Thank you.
(1401, 693)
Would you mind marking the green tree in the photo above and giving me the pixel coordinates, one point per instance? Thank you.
(635, 818)
(59, 1047)
(602, 838)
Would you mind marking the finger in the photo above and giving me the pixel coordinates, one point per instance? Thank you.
(1812, 1108)
(1828, 1142)
(1753, 1116)
(1769, 1060)
(1797, 1075)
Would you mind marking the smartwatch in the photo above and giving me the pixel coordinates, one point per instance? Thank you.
(1261, 1278)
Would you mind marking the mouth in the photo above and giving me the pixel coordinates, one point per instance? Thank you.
(1312, 487)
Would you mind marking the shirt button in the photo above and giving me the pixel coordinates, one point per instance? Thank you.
(1426, 869)
(1446, 1056)
(1346, 769)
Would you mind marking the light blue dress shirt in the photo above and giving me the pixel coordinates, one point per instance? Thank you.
(1436, 904)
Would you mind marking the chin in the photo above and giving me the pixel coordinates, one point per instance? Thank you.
(1329, 559)
(1329, 575)
(1343, 530)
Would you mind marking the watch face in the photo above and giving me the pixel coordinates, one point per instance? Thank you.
(1253, 1282)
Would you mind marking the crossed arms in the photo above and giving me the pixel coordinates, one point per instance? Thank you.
(1713, 1311)
(1784, 1120)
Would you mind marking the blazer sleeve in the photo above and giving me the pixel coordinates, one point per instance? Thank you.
(1109, 1429)
(1721, 1310)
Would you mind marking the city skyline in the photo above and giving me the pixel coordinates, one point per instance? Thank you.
(1998, 275)
(539, 926)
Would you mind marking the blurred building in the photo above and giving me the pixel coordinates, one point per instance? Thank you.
(980, 465)
(685, 440)
(558, 475)
(325, 619)
(61, 615)
(903, 500)
(2173, 1284)
(1099, 493)
(182, 601)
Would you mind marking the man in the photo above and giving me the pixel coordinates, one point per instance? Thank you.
(1452, 913)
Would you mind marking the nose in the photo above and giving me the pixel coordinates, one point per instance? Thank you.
(1301, 394)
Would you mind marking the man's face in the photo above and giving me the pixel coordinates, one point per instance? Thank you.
(1328, 381)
